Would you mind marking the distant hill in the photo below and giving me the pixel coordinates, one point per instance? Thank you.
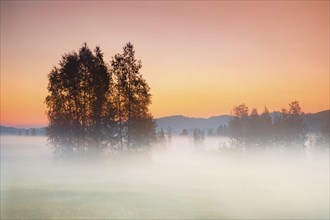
(314, 121)
(22, 131)
(178, 122)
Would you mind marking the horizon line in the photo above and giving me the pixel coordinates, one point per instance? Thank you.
(38, 126)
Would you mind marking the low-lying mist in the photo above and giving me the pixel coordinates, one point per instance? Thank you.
(177, 180)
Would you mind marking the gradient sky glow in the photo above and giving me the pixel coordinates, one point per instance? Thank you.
(200, 58)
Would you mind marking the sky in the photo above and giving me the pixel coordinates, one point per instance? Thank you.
(199, 58)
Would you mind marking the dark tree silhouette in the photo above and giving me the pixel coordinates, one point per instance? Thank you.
(289, 127)
(222, 130)
(169, 134)
(161, 136)
(132, 99)
(266, 128)
(184, 133)
(238, 125)
(253, 131)
(198, 136)
(79, 105)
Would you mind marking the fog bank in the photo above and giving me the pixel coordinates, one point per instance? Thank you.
(180, 180)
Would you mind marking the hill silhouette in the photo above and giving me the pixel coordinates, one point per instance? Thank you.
(313, 121)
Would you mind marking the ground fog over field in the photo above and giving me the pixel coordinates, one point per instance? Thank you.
(179, 180)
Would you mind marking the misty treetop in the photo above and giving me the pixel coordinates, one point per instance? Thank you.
(94, 107)
(254, 130)
(132, 98)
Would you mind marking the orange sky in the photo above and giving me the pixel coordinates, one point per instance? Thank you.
(200, 58)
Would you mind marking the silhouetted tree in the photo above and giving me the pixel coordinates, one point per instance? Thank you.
(198, 136)
(266, 128)
(289, 127)
(169, 134)
(161, 136)
(222, 130)
(184, 133)
(78, 103)
(256, 130)
(238, 125)
(253, 128)
(132, 99)
(259, 129)
(92, 107)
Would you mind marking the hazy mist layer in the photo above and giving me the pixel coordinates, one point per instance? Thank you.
(180, 180)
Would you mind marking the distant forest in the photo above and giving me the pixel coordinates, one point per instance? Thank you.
(259, 131)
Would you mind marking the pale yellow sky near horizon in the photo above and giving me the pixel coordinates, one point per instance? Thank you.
(199, 58)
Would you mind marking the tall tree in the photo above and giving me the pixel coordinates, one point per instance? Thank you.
(289, 126)
(266, 128)
(198, 136)
(295, 124)
(78, 103)
(161, 136)
(169, 134)
(184, 133)
(253, 128)
(238, 124)
(222, 130)
(132, 98)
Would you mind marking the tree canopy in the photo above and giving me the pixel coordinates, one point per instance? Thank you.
(93, 107)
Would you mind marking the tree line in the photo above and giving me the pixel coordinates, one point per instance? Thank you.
(253, 130)
(27, 132)
(96, 107)
(249, 129)
(285, 130)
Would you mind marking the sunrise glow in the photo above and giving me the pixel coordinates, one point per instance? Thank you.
(199, 58)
